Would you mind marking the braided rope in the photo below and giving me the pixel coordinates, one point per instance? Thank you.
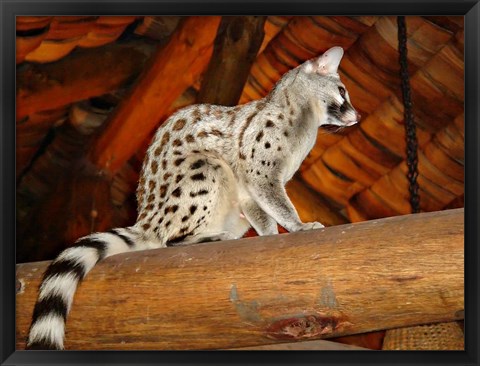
(410, 128)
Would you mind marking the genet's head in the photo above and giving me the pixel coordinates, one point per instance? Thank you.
(331, 99)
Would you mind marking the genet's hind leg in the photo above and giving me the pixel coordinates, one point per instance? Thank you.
(226, 221)
(218, 214)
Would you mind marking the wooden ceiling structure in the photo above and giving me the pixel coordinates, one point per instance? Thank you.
(91, 91)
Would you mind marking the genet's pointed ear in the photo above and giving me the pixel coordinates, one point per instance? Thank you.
(326, 63)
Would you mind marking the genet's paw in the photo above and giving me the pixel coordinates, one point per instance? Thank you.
(311, 226)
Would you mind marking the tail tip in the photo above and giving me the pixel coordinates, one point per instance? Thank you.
(43, 345)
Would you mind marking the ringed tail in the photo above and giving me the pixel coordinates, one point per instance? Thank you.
(62, 277)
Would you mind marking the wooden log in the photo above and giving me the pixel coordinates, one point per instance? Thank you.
(236, 45)
(346, 279)
(172, 70)
(85, 74)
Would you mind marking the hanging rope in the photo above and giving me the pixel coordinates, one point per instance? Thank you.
(410, 129)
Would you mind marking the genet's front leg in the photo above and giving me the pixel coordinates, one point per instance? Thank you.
(268, 191)
(263, 223)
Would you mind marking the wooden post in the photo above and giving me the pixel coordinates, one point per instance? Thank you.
(346, 279)
(236, 45)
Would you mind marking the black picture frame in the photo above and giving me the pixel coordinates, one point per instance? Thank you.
(12, 8)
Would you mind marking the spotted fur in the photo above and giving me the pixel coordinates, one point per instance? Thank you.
(210, 173)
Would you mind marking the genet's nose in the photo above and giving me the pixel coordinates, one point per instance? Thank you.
(358, 116)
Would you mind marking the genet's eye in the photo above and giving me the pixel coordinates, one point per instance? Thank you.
(341, 89)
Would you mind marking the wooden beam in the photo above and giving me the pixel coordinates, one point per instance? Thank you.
(236, 45)
(346, 279)
(172, 70)
(81, 75)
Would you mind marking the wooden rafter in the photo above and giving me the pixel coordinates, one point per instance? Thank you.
(84, 74)
(236, 45)
(172, 70)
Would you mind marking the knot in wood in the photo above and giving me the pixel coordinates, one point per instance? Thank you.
(301, 327)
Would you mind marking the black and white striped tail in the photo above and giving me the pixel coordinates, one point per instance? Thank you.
(62, 277)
